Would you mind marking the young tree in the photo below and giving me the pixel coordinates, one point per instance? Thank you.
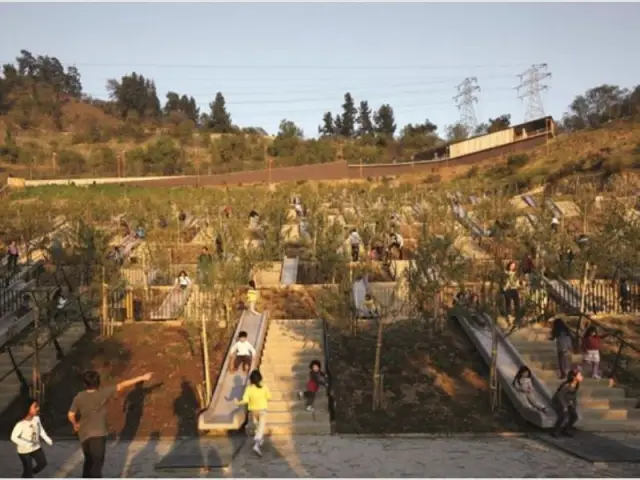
(457, 132)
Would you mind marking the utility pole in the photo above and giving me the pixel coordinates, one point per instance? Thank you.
(531, 87)
(465, 99)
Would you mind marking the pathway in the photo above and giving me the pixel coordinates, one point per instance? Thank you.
(323, 456)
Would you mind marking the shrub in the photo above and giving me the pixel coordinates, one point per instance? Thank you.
(71, 162)
(517, 161)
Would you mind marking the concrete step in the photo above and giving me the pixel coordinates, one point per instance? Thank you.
(277, 343)
(309, 323)
(547, 363)
(525, 346)
(591, 425)
(295, 385)
(606, 403)
(298, 428)
(299, 416)
(291, 395)
(292, 356)
(273, 377)
(610, 414)
(292, 332)
(321, 404)
(591, 391)
(298, 369)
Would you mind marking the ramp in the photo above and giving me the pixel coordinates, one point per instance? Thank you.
(289, 273)
(173, 304)
(478, 328)
(223, 413)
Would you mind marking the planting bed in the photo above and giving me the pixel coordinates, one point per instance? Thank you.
(433, 384)
(168, 404)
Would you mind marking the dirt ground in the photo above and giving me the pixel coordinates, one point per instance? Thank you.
(432, 384)
(168, 404)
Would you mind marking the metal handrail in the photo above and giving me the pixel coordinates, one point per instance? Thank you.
(327, 368)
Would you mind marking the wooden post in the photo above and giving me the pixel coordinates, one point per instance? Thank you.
(105, 307)
(205, 348)
(129, 304)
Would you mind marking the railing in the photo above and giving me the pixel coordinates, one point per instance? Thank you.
(9, 301)
(614, 343)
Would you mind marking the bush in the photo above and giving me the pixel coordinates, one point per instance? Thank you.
(517, 161)
(71, 162)
(472, 172)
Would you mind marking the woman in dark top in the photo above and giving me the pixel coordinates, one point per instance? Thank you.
(565, 402)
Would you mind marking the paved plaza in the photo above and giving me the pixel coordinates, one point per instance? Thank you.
(335, 456)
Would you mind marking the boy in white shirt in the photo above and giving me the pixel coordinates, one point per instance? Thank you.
(243, 353)
(355, 240)
(26, 435)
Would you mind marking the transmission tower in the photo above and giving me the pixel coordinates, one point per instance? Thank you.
(531, 88)
(465, 100)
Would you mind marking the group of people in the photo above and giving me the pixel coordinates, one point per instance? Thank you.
(87, 415)
(257, 395)
(378, 251)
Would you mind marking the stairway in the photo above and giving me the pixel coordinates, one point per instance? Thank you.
(601, 408)
(290, 346)
(25, 358)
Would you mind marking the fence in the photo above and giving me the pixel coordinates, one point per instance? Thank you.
(601, 296)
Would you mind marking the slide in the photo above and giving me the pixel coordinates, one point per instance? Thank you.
(554, 208)
(289, 273)
(11, 325)
(478, 327)
(223, 413)
(528, 199)
(359, 292)
(173, 304)
(464, 218)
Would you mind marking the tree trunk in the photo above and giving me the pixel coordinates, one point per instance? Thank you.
(376, 368)
(583, 287)
(205, 351)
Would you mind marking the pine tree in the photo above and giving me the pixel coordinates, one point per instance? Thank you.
(219, 120)
(365, 125)
(385, 121)
(348, 120)
(327, 128)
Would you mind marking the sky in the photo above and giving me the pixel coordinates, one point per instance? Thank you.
(296, 60)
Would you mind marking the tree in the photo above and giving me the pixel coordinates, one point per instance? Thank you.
(365, 125)
(597, 106)
(135, 94)
(219, 120)
(349, 112)
(327, 129)
(385, 121)
(288, 129)
(499, 123)
(182, 104)
(457, 132)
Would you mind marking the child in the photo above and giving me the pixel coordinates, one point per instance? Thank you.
(523, 385)
(369, 308)
(26, 435)
(355, 240)
(565, 402)
(591, 348)
(560, 333)
(317, 378)
(397, 242)
(252, 298)
(510, 290)
(243, 353)
(13, 255)
(183, 280)
(256, 397)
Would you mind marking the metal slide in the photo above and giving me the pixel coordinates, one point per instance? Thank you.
(223, 413)
(528, 199)
(173, 304)
(467, 221)
(478, 328)
(289, 273)
(554, 208)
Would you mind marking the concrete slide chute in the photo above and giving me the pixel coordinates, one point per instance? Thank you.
(289, 273)
(223, 413)
(478, 328)
(173, 304)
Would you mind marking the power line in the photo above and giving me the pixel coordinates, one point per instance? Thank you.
(465, 100)
(284, 67)
(531, 89)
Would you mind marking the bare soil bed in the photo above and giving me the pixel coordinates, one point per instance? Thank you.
(432, 384)
(168, 405)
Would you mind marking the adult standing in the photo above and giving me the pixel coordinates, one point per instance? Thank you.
(88, 414)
